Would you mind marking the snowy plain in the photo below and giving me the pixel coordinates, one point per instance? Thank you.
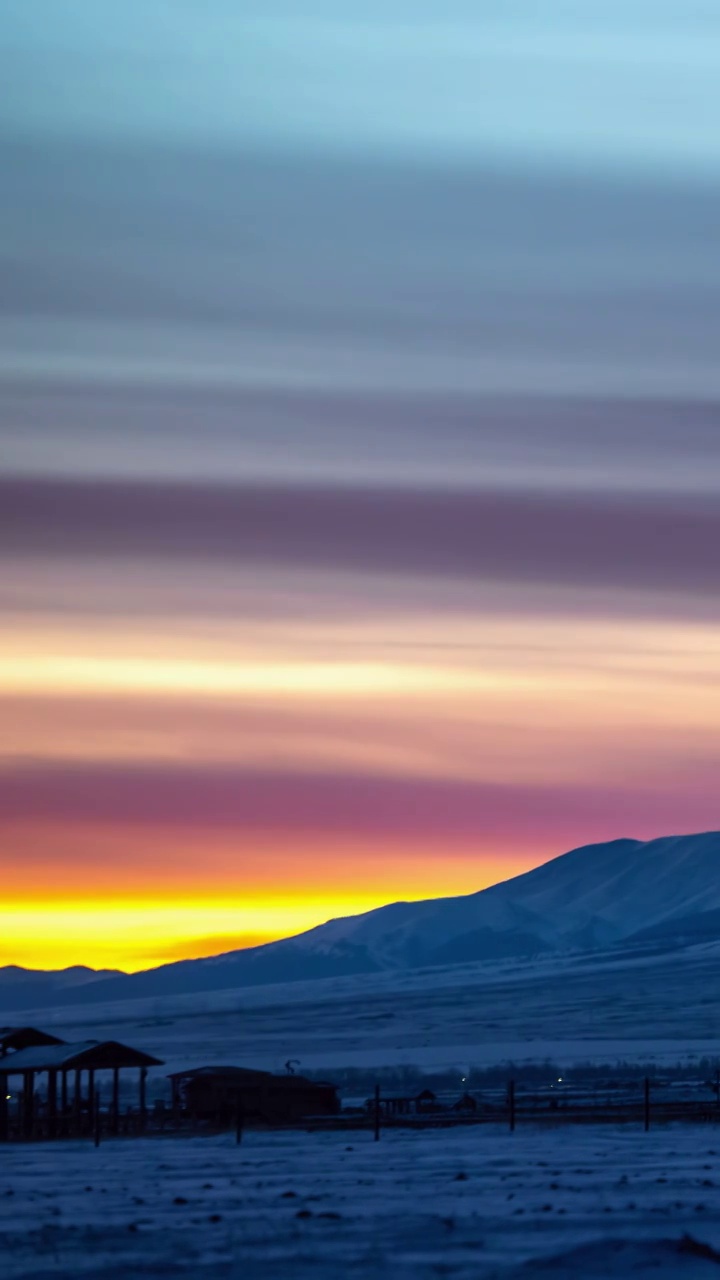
(465, 1203)
(606, 1006)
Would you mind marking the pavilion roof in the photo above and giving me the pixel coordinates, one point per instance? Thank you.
(230, 1073)
(248, 1076)
(96, 1055)
(24, 1037)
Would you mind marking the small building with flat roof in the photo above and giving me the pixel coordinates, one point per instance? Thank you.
(225, 1095)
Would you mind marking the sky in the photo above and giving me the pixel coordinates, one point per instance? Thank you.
(359, 456)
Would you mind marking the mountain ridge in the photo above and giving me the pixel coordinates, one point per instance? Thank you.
(592, 897)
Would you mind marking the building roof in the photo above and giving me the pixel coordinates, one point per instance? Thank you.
(96, 1055)
(23, 1038)
(244, 1074)
(249, 1077)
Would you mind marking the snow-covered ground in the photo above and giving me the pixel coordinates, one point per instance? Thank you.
(578, 1202)
(462, 1203)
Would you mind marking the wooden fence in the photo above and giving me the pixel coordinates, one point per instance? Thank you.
(643, 1103)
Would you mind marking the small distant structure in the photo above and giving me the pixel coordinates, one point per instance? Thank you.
(223, 1095)
(392, 1107)
(426, 1101)
(466, 1104)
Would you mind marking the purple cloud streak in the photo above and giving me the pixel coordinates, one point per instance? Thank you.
(664, 542)
(362, 806)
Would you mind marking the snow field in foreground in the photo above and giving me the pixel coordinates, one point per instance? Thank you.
(464, 1203)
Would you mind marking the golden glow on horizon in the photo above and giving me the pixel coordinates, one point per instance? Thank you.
(135, 935)
(126, 898)
(132, 934)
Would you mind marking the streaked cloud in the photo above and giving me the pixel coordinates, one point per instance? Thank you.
(649, 541)
(359, 454)
(332, 804)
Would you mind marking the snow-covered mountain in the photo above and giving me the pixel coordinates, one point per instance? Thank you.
(662, 892)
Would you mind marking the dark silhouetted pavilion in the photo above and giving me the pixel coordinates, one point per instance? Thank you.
(58, 1059)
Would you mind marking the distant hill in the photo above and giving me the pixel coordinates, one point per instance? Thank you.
(665, 892)
(26, 988)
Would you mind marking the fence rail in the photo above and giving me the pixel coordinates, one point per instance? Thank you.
(689, 1113)
(642, 1103)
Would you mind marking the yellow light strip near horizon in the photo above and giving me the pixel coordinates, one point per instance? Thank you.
(136, 935)
(141, 934)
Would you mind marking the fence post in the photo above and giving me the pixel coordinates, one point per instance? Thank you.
(96, 1119)
(646, 1107)
(377, 1112)
(511, 1104)
(4, 1115)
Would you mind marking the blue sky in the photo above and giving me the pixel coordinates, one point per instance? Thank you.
(377, 202)
(613, 84)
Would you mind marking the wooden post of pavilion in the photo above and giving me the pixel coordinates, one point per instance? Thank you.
(64, 1103)
(28, 1104)
(115, 1100)
(77, 1101)
(52, 1104)
(143, 1100)
(91, 1097)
